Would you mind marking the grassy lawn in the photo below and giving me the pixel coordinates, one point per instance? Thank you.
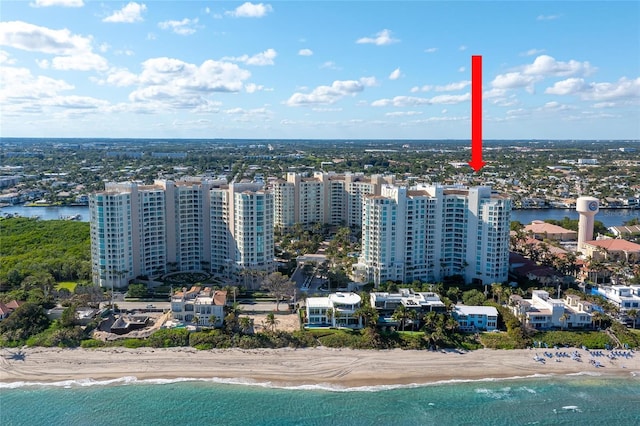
(69, 285)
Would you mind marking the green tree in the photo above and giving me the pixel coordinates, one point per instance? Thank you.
(27, 320)
(633, 314)
(271, 321)
(473, 297)
(401, 314)
(246, 325)
(279, 286)
(137, 290)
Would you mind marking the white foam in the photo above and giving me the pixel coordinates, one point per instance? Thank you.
(130, 380)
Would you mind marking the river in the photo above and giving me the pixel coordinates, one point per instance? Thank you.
(610, 217)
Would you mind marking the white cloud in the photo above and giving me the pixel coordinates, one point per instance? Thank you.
(259, 59)
(403, 113)
(130, 13)
(63, 3)
(250, 10)
(252, 87)
(305, 52)
(22, 91)
(395, 74)
(569, 86)
(75, 51)
(622, 89)
(184, 27)
(462, 69)
(119, 77)
(462, 48)
(326, 109)
(400, 101)
(85, 62)
(546, 65)
(172, 83)
(382, 38)
(532, 52)
(604, 105)
(554, 107)
(6, 59)
(326, 95)
(425, 88)
(450, 99)
(330, 65)
(547, 17)
(542, 67)
(412, 101)
(514, 80)
(431, 50)
(453, 86)
(368, 81)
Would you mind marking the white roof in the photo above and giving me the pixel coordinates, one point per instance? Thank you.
(489, 311)
(317, 302)
(345, 298)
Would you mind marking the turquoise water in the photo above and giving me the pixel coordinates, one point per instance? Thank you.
(583, 400)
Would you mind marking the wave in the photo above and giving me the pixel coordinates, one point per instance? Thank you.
(132, 380)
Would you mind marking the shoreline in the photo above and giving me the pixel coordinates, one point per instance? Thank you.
(336, 368)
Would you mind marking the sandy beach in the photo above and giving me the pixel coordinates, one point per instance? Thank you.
(342, 367)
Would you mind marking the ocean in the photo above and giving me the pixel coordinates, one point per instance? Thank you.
(568, 400)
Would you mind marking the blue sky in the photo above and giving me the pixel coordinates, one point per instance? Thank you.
(318, 69)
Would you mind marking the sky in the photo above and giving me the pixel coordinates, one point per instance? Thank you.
(318, 69)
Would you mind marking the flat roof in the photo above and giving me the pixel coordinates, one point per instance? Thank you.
(489, 311)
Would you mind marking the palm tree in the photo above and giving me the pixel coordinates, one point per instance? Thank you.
(563, 319)
(329, 315)
(597, 316)
(633, 314)
(212, 320)
(368, 314)
(400, 314)
(246, 325)
(412, 315)
(271, 321)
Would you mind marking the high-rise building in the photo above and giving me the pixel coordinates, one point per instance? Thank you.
(188, 225)
(326, 198)
(429, 232)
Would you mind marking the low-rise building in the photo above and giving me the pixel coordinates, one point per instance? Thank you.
(612, 250)
(206, 306)
(624, 297)
(386, 303)
(476, 318)
(335, 310)
(543, 311)
(625, 231)
(8, 308)
(542, 230)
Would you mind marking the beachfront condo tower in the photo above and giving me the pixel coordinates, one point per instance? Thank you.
(427, 233)
(192, 224)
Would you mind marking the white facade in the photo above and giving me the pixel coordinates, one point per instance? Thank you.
(429, 232)
(205, 306)
(424, 301)
(335, 310)
(330, 198)
(188, 225)
(543, 311)
(624, 297)
(252, 228)
(473, 318)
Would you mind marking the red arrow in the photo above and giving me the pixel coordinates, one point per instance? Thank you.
(476, 162)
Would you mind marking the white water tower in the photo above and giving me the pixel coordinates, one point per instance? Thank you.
(587, 207)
